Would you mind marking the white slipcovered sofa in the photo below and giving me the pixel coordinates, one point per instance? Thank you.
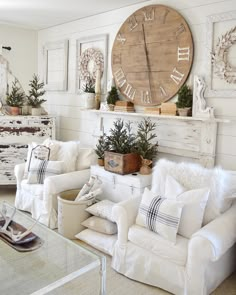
(41, 199)
(194, 266)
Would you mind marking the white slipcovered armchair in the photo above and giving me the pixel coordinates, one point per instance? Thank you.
(194, 266)
(41, 199)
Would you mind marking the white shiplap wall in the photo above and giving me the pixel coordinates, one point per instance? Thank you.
(76, 124)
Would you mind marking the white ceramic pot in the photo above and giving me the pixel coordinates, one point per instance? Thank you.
(36, 111)
(88, 100)
(183, 112)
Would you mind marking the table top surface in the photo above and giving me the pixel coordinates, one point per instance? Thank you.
(55, 263)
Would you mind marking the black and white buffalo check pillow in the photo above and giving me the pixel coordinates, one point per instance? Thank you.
(41, 169)
(159, 215)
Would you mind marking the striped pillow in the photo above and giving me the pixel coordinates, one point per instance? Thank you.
(41, 169)
(159, 215)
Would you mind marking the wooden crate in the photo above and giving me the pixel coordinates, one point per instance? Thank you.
(122, 163)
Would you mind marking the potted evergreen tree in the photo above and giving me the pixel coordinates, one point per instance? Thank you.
(15, 99)
(89, 94)
(101, 147)
(36, 91)
(185, 100)
(121, 157)
(145, 145)
(112, 98)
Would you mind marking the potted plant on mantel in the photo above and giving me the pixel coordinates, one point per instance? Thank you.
(15, 99)
(145, 145)
(112, 98)
(89, 94)
(185, 100)
(35, 93)
(121, 157)
(101, 147)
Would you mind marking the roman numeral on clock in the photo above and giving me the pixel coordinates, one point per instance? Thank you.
(163, 92)
(146, 97)
(130, 91)
(132, 23)
(120, 77)
(120, 38)
(183, 53)
(149, 14)
(181, 29)
(176, 76)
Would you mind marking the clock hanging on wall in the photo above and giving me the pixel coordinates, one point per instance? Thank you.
(152, 55)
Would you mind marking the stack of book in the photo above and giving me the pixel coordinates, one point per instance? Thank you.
(124, 106)
(168, 108)
(152, 110)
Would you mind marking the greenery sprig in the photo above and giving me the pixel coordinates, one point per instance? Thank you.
(16, 97)
(36, 92)
(102, 146)
(185, 97)
(113, 96)
(145, 145)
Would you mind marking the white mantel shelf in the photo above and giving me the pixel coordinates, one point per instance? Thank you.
(135, 114)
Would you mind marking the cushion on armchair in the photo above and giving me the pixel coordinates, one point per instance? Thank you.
(159, 215)
(194, 176)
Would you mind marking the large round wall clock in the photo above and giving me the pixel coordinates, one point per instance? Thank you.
(152, 55)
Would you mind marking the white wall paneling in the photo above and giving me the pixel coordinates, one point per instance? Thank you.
(68, 104)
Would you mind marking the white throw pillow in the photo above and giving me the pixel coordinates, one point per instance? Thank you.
(159, 215)
(68, 153)
(100, 225)
(41, 169)
(45, 151)
(102, 209)
(194, 202)
(86, 158)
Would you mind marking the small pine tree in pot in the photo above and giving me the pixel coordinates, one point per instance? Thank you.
(121, 157)
(185, 100)
(35, 92)
(112, 98)
(15, 99)
(145, 145)
(101, 147)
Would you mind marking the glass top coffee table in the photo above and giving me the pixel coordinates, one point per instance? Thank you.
(58, 266)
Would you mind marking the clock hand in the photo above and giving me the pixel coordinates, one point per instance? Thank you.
(147, 60)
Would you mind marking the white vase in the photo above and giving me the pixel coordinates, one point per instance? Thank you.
(88, 100)
(36, 111)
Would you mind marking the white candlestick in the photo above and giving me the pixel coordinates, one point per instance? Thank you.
(98, 82)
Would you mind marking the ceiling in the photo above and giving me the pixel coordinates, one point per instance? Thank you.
(41, 14)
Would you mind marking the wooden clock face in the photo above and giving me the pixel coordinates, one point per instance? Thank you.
(152, 55)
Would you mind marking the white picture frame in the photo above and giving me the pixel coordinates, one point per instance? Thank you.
(98, 42)
(218, 25)
(56, 65)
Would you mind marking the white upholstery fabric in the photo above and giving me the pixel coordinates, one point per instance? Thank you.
(211, 251)
(100, 241)
(154, 243)
(159, 215)
(102, 209)
(101, 225)
(194, 176)
(41, 200)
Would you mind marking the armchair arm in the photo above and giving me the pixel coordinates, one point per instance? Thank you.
(207, 245)
(124, 213)
(19, 173)
(220, 234)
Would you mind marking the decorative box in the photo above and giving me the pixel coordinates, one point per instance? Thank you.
(120, 187)
(122, 163)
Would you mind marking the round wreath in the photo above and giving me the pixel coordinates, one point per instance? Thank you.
(97, 57)
(219, 58)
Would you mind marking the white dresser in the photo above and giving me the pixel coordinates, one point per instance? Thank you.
(118, 187)
(16, 132)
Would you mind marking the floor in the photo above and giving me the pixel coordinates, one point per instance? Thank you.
(118, 284)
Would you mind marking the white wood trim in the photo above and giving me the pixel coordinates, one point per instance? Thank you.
(58, 45)
(211, 20)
